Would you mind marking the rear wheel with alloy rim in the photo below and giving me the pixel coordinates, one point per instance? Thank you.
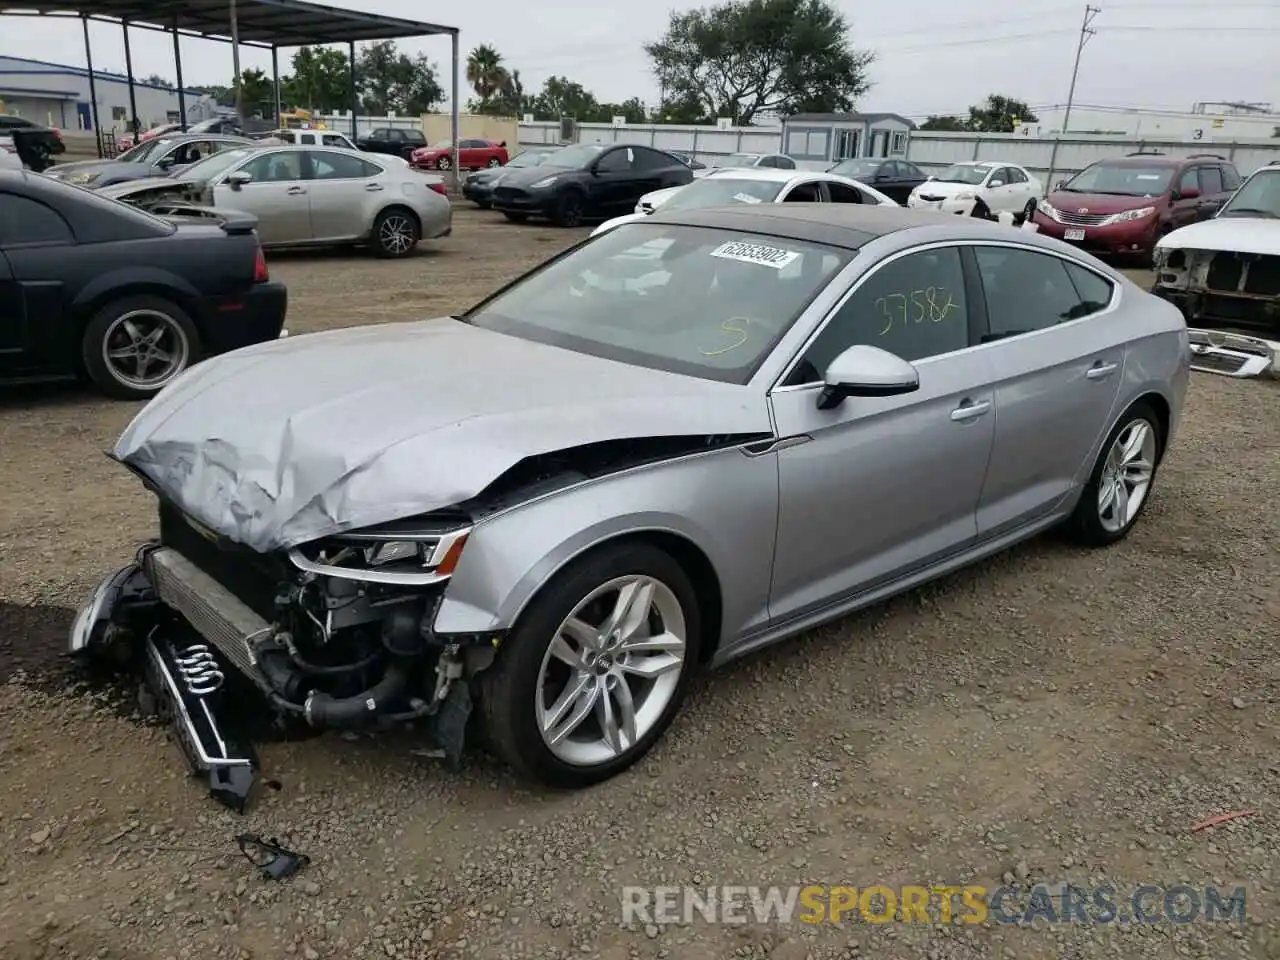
(444, 163)
(135, 346)
(596, 668)
(395, 233)
(569, 210)
(1120, 483)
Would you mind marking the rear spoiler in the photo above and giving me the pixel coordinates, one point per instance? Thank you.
(235, 223)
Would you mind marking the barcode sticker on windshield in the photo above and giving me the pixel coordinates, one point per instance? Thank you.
(745, 198)
(1149, 176)
(756, 253)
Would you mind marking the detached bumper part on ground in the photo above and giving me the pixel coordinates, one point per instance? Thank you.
(199, 638)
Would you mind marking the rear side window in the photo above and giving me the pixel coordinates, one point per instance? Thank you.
(1027, 291)
(1095, 291)
(23, 221)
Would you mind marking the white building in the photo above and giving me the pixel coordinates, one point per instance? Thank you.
(1208, 122)
(58, 95)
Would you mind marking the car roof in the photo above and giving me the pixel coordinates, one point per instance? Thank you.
(839, 225)
(756, 173)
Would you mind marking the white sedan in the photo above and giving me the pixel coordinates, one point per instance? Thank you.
(727, 186)
(979, 188)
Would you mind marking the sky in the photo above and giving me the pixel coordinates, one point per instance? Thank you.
(931, 56)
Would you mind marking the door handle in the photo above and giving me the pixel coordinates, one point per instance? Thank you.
(1100, 370)
(373, 187)
(294, 191)
(970, 411)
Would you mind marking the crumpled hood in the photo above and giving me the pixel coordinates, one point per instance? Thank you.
(1241, 234)
(288, 441)
(127, 188)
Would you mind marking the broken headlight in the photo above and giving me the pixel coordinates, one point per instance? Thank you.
(400, 550)
(389, 556)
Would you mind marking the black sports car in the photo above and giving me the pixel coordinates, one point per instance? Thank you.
(588, 181)
(95, 288)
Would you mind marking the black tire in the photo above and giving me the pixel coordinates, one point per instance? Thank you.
(494, 162)
(1028, 212)
(484, 204)
(1085, 526)
(515, 217)
(980, 211)
(107, 331)
(569, 209)
(395, 233)
(509, 688)
(444, 163)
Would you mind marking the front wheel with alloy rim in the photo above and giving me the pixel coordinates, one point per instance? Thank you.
(495, 162)
(133, 347)
(1119, 485)
(444, 163)
(395, 233)
(596, 667)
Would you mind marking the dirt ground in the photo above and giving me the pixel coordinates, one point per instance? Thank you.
(1051, 715)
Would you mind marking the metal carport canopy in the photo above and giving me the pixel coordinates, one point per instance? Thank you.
(260, 23)
(268, 24)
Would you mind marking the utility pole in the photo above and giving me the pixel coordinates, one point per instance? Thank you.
(1086, 31)
(235, 59)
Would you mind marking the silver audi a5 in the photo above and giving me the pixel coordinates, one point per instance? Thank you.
(677, 442)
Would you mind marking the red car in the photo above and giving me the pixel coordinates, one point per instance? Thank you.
(1125, 205)
(472, 155)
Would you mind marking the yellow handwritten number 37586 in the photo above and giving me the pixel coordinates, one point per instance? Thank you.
(936, 303)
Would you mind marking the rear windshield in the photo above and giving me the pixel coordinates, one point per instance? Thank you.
(723, 192)
(1121, 180)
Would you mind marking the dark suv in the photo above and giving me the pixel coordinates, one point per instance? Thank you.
(1123, 206)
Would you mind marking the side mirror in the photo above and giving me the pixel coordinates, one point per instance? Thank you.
(238, 179)
(883, 176)
(865, 371)
(1060, 184)
(996, 183)
(164, 163)
(1187, 193)
(503, 144)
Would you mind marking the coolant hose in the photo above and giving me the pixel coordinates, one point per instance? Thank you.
(322, 710)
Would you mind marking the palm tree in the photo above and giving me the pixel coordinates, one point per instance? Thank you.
(485, 72)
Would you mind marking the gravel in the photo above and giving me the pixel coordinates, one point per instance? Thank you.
(1051, 715)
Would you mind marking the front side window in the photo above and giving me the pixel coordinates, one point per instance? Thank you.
(219, 163)
(704, 302)
(1027, 291)
(913, 307)
(1211, 181)
(275, 167)
(616, 161)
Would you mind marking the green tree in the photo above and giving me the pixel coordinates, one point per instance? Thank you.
(744, 57)
(391, 81)
(257, 93)
(509, 101)
(683, 109)
(997, 114)
(486, 73)
(561, 97)
(158, 81)
(225, 96)
(321, 80)
(633, 109)
(945, 123)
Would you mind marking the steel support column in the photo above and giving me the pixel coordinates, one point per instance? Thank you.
(93, 86)
(275, 81)
(453, 119)
(355, 97)
(128, 69)
(177, 69)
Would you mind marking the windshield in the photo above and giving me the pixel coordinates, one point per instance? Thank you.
(963, 173)
(530, 158)
(857, 169)
(217, 163)
(145, 152)
(1259, 196)
(575, 157)
(1121, 180)
(691, 300)
(722, 192)
(736, 160)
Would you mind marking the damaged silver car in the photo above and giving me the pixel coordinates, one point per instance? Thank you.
(1224, 274)
(666, 447)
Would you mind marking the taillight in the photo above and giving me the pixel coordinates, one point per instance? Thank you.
(57, 134)
(260, 273)
(440, 188)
